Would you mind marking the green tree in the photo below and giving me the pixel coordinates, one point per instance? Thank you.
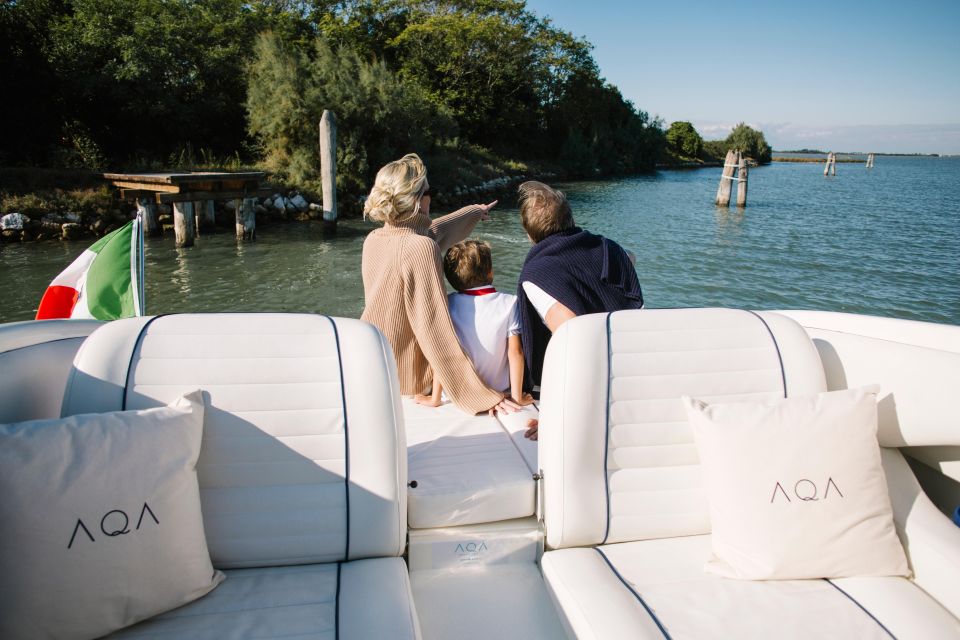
(684, 140)
(380, 117)
(750, 142)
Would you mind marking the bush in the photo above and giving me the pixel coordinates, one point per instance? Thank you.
(684, 140)
(750, 142)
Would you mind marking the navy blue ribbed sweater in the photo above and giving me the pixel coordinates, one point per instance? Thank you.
(586, 273)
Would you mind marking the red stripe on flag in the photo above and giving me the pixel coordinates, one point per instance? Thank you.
(57, 302)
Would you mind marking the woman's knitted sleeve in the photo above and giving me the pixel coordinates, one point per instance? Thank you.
(454, 227)
(426, 307)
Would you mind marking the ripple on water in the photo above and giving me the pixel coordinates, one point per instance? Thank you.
(882, 242)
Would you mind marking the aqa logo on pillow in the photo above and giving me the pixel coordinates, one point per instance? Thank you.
(806, 490)
(114, 523)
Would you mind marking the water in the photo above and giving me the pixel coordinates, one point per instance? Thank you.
(884, 242)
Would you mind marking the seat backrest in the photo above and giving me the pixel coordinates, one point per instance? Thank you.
(617, 454)
(35, 358)
(304, 456)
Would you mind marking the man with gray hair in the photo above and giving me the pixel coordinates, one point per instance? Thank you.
(568, 272)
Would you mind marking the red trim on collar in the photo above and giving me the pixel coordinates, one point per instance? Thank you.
(479, 291)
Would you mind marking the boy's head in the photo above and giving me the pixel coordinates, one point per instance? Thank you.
(544, 210)
(468, 264)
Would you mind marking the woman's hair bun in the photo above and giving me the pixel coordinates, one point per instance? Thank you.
(396, 192)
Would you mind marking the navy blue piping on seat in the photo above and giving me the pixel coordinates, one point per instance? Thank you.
(862, 608)
(346, 436)
(133, 352)
(636, 595)
(336, 608)
(783, 373)
(606, 432)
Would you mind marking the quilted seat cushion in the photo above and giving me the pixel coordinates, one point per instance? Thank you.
(467, 469)
(352, 600)
(658, 589)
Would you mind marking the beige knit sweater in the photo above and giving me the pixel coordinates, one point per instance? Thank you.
(405, 298)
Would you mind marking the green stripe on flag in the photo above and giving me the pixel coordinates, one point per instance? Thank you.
(108, 287)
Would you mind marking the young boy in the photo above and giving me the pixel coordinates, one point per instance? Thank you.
(487, 322)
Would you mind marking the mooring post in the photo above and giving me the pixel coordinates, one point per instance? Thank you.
(183, 223)
(833, 164)
(328, 169)
(246, 219)
(742, 182)
(726, 179)
(869, 161)
(209, 215)
(148, 211)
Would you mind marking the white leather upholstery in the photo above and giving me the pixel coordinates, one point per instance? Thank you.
(916, 364)
(467, 469)
(625, 374)
(485, 602)
(932, 542)
(374, 602)
(40, 353)
(668, 575)
(298, 465)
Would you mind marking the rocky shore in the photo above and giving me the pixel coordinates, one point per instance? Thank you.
(281, 206)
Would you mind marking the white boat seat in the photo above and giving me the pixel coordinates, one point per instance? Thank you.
(628, 589)
(41, 353)
(303, 459)
(625, 515)
(296, 601)
(467, 469)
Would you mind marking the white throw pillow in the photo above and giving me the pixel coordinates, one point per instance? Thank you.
(100, 522)
(796, 488)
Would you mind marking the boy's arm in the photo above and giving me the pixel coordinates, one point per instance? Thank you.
(515, 361)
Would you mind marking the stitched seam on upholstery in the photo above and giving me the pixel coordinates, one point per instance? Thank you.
(691, 374)
(244, 609)
(336, 609)
(133, 352)
(346, 437)
(387, 359)
(37, 344)
(862, 608)
(776, 345)
(516, 447)
(606, 432)
(636, 595)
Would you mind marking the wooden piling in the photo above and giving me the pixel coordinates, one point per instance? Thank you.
(148, 211)
(246, 219)
(328, 169)
(183, 223)
(726, 179)
(831, 166)
(870, 161)
(742, 182)
(208, 215)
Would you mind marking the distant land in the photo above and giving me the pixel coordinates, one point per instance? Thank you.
(858, 153)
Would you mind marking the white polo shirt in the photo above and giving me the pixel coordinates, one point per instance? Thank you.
(484, 321)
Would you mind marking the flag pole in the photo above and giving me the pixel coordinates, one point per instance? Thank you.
(142, 269)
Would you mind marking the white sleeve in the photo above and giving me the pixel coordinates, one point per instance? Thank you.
(540, 299)
(513, 329)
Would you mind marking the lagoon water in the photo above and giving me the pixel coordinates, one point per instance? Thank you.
(884, 241)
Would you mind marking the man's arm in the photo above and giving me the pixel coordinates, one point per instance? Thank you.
(557, 315)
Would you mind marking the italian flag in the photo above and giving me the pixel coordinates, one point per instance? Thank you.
(104, 282)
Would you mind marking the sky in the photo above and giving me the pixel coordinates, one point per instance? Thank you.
(846, 75)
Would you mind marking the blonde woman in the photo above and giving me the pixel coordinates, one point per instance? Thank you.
(403, 286)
